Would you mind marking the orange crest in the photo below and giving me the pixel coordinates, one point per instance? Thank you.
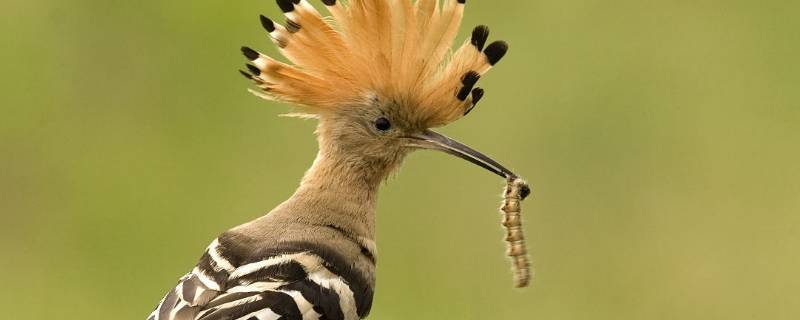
(395, 49)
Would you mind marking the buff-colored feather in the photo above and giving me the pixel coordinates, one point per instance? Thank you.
(397, 49)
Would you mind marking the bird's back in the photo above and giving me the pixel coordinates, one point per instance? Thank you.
(285, 270)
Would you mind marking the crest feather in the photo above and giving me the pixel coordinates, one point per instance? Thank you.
(398, 49)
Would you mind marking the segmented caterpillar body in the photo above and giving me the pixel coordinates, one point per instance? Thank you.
(516, 190)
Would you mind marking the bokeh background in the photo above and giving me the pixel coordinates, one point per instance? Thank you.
(662, 139)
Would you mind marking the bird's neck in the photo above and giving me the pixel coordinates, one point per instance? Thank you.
(341, 190)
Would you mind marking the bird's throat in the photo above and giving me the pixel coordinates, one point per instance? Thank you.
(342, 190)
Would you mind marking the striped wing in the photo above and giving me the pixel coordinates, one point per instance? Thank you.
(295, 281)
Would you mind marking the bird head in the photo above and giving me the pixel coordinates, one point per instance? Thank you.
(378, 74)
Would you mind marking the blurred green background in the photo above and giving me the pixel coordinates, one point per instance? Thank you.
(661, 138)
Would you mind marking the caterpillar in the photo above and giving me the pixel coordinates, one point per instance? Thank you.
(515, 191)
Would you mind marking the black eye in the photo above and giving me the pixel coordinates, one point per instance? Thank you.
(382, 124)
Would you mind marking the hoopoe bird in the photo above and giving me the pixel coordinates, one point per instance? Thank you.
(377, 75)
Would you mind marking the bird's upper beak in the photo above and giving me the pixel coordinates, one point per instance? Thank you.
(429, 139)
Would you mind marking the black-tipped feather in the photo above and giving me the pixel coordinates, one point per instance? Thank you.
(479, 36)
(463, 93)
(253, 69)
(286, 5)
(250, 53)
(292, 26)
(469, 110)
(495, 51)
(469, 80)
(267, 23)
(477, 95)
(246, 75)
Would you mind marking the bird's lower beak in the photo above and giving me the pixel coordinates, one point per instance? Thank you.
(429, 139)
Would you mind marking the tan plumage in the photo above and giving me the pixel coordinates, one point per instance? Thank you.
(396, 50)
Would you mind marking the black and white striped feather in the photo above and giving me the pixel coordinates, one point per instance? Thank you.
(297, 280)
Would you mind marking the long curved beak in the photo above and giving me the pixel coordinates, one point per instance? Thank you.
(429, 139)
